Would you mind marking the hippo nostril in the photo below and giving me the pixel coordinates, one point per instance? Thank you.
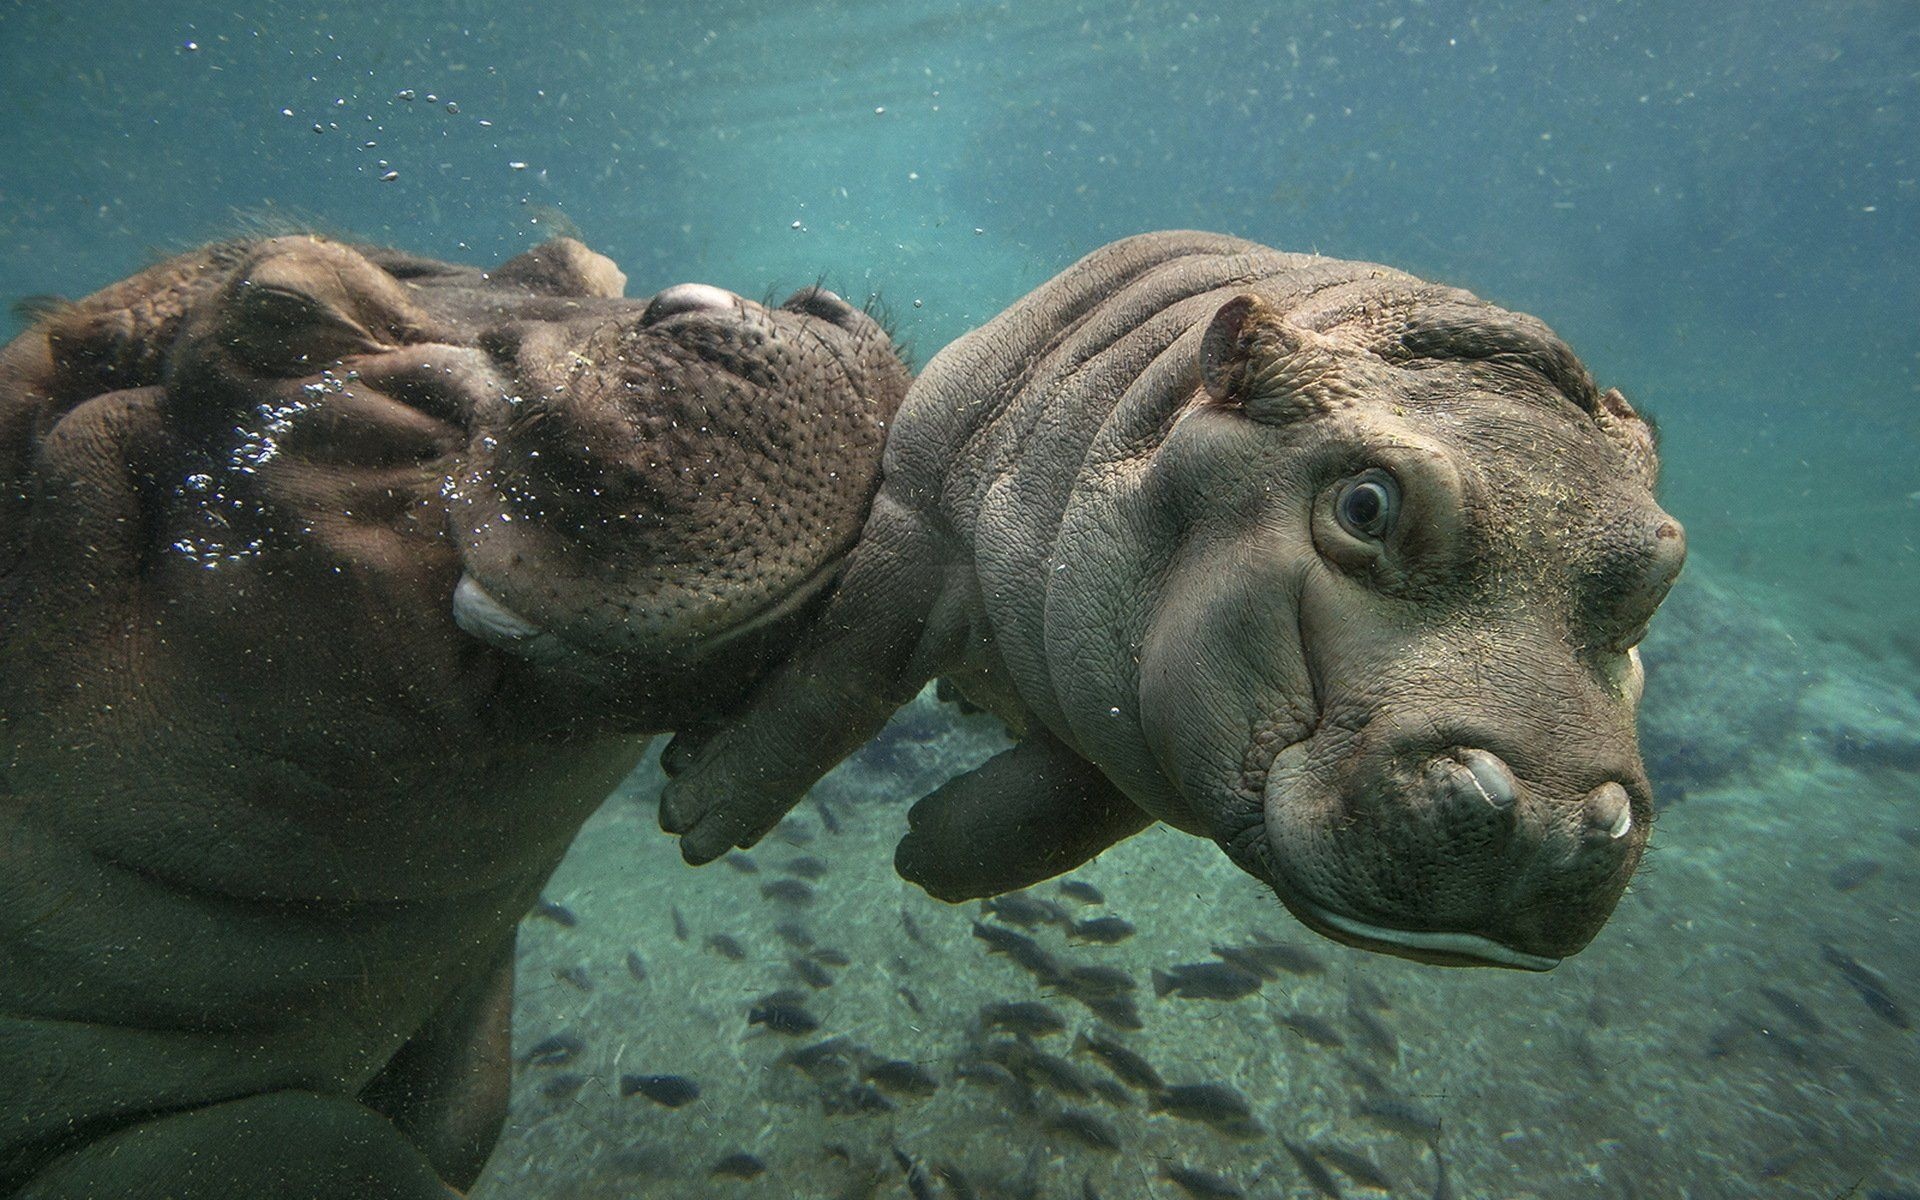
(1491, 776)
(688, 297)
(1609, 811)
(828, 306)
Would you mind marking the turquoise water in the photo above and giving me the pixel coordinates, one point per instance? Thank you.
(1718, 208)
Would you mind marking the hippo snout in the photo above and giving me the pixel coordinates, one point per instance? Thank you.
(1449, 854)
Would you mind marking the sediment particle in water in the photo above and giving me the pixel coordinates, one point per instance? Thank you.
(668, 1091)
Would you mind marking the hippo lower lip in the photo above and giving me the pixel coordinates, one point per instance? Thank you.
(1470, 946)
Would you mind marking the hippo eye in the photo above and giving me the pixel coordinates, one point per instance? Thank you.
(1367, 504)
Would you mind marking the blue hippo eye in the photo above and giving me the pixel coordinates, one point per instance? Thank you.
(1367, 504)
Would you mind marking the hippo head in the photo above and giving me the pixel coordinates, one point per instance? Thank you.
(1391, 666)
(667, 477)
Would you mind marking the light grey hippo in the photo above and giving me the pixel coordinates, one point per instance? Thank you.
(337, 588)
(1340, 568)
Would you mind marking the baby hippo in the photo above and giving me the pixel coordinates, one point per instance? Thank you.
(337, 588)
(1339, 568)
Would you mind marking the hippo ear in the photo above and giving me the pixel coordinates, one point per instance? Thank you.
(564, 267)
(1252, 358)
(1630, 433)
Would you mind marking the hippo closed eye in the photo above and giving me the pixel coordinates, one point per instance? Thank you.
(1342, 569)
(337, 587)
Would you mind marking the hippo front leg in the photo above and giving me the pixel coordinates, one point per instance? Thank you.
(882, 635)
(1027, 814)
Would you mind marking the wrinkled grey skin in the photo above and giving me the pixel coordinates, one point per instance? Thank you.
(337, 588)
(1112, 516)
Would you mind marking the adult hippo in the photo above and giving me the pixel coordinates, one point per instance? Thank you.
(337, 587)
(1340, 568)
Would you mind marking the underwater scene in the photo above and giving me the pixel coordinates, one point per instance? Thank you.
(712, 599)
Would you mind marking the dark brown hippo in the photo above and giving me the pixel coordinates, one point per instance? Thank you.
(1342, 569)
(337, 587)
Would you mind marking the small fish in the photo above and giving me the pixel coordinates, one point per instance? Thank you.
(564, 1086)
(828, 818)
(1081, 890)
(959, 1187)
(1851, 874)
(787, 891)
(1792, 1010)
(783, 1017)
(1085, 982)
(919, 1182)
(1213, 1104)
(1310, 1027)
(1035, 1066)
(680, 930)
(1374, 1034)
(1104, 930)
(1202, 1185)
(1871, 986)
(1111, 1091)
(556, 912)
(822, 1058)
(1025, 910)
(1369, 1079)
(738, 1165)
(1129, 1066)
(794, 831)
(742, 863)
(902, 1078)
(913, 1002)
(636, 966)
(806, 867)
(1403, 1117)
(1117, 1011)
(1442, 1188)
(574, 976)
(912, 927)
(794, 934)
(556, 1050)
(1363, 991)
(827, 956)
(1022, 1016)
(1205, 981)
(668, 1091)
(1020, 948)
(1351, 1163)
(726, 947)
(811, 973)
(1086, 1128)
(1284, 956)
(1316, 1175)
(858, 1098)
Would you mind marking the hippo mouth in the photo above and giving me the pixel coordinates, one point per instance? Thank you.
(481, 614)
(1428, 946)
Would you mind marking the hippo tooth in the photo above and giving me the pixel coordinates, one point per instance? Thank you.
(476, 611)
(1491, 777)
